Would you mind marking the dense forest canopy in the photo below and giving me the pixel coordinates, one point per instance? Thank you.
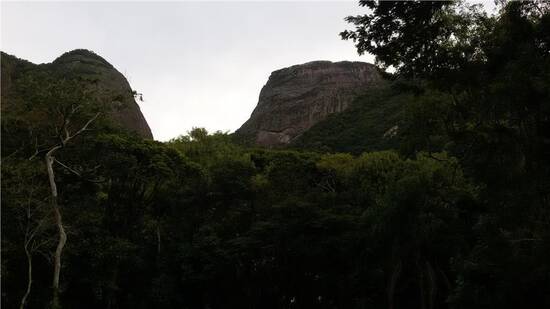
(452, 212)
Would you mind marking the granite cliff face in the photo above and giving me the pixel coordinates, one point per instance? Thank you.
(297, 97)
(110, 86)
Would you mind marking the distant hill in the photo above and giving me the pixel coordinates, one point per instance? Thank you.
(298, 97)
(111, 87)
(325, 106)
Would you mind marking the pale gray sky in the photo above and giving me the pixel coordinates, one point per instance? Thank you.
(196, 63)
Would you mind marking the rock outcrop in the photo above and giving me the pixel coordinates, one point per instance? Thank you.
(109, 85)
(297, 97)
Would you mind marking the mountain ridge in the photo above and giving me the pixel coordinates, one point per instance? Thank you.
(111, 85)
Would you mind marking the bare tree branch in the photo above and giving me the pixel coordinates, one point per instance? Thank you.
(68, 168)
(84, 128)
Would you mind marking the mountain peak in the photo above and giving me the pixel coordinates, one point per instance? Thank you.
(297, 97)
(83, 56)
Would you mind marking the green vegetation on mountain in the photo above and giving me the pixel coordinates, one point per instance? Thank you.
(454, 213)
(372, 122)
(89, 74)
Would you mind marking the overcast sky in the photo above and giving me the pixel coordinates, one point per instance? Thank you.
(196, 63)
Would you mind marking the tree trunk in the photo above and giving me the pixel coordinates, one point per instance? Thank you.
(392, 284)
(57, 257)
(158, 238)
(29, 277)
(445, 279)
(421, 283)
(61, 230)
(432, 284)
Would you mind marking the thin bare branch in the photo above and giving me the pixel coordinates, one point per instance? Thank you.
(524, 240)
(84, 128)
(68, 168)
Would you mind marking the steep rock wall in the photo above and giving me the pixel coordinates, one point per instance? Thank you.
(297, 97)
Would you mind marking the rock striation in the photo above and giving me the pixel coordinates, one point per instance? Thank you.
(297, 97)
(109, 85)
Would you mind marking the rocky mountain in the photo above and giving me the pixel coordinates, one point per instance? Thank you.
(296, 98)
(110, 86)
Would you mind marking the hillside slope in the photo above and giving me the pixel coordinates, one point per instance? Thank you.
(371, 123)
(110, 86)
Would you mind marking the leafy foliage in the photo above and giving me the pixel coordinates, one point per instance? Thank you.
(452, 212)
(371, 123)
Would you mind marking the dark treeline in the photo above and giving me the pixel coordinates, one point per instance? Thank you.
(456, 215)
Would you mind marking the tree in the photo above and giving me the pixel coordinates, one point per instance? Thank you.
(483, 96)
(69, 110)
(419, 38)
(23, 200)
